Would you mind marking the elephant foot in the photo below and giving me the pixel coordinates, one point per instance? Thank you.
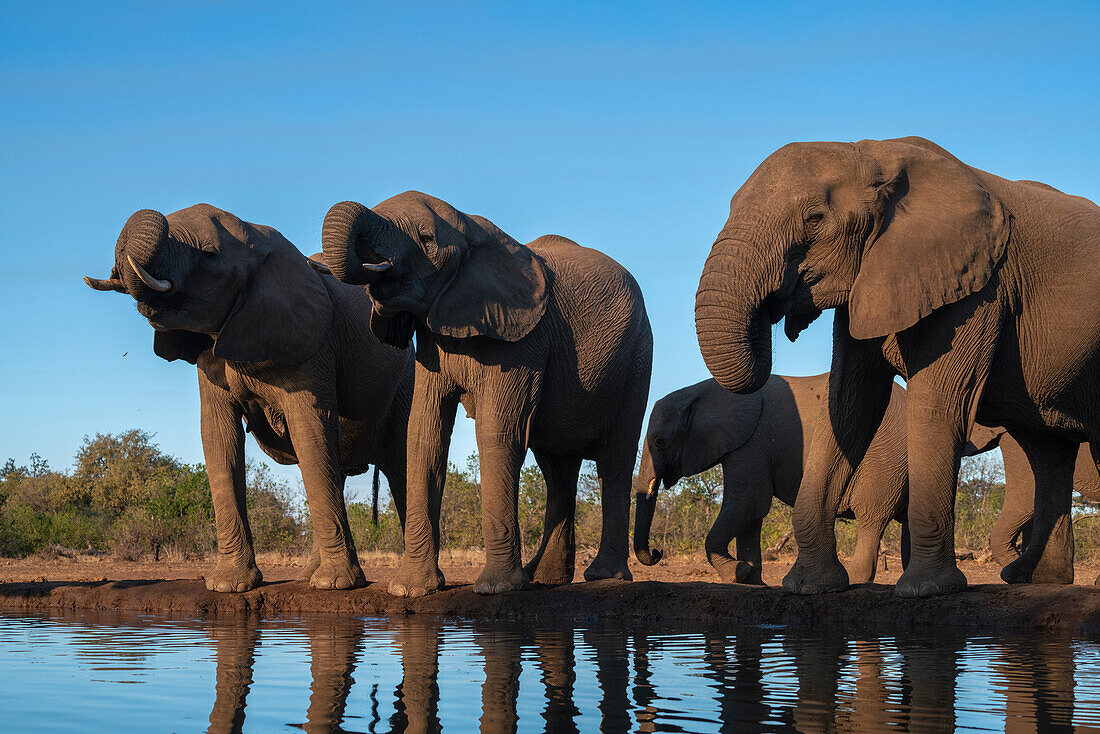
(543, 572)
(411, 581)
(816, 577)
(497, 581)
(337, 573)
(926, 580)
(230, 577)
(605, 567)
(1017, 572)
(312, 565)
(733, 571)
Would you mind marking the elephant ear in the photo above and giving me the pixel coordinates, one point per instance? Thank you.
(179, 344)
(500, 288)
(284, 312)
(719, 422)
(940, 237)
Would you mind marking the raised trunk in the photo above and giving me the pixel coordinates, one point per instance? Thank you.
(145, 239)
(646, 504)
(732, 325)
(347, 225)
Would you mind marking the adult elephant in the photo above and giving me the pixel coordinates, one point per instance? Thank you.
(978, 290)
(283, 348)
(546, 345)
(761, 440)
(1018, 509)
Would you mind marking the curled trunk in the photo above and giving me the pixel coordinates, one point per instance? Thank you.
(348, 224)
(145, 241)
(646, 498)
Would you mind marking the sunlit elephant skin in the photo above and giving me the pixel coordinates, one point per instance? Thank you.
(281, 347)
(1056, 565)
(546, 345)
(979, 291)
(761, 441)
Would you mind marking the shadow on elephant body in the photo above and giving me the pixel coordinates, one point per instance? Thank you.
(283, 350)
(939, 272)
(547, 345)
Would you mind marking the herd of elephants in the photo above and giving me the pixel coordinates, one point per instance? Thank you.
(982, 293)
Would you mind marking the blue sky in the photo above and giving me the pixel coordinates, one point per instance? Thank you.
(626, 127)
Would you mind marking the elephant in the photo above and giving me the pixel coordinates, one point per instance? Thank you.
(1016, 514)
(546, 345)
(969, 286)
(282, 346)
(761, 442)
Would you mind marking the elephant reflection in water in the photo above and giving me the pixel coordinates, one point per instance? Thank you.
(1039, 685)
(417, 695)
(334, 646)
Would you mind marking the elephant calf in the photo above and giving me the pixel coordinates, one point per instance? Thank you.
(761, 440)
(282, 347)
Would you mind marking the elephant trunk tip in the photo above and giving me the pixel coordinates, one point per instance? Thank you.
(648, 556)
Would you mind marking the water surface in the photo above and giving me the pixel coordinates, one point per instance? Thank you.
(103, 672)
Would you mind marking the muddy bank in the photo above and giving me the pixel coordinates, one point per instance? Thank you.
(871, 607)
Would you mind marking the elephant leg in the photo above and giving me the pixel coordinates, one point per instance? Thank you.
(429, 437)
(616, 474)
(746, 499)
(553, 563)
(945, 386)
(860, 384)
(501, 426)
(864, 561)
(223, 449)
(315, 434)
(312, 564)
(1052, 460)
(906, 547)
(1018, 505)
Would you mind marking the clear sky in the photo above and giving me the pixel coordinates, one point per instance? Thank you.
(626, 127)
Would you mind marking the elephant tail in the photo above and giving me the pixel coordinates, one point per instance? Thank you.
(374, 496)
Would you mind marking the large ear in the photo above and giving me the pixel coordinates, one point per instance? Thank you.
(179, 344)
(718, 422)
(939, 238)
(500, 289)
(284, 312)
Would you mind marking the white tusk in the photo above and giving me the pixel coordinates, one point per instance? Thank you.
(160, 286)
(652, 492)
(377, 267)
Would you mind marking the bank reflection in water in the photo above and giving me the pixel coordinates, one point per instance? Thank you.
(752, 679)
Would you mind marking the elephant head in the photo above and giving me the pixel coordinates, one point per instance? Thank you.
(424, 261)
(892, 229)
(204, 278)
(689, 431)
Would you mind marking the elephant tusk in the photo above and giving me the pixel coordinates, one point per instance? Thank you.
(105, 284)
(160, 286)
(377, 267)
(651, 493)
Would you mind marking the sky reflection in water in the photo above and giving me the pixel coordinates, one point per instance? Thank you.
(100, 672)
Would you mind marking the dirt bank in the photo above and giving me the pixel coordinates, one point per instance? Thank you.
(75, 585)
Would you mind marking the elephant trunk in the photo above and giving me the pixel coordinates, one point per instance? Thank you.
(147, 260)
(648, 483)
(348, 224)
(732, 323)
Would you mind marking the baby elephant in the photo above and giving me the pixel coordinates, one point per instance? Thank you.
(761, 440)
(281, 347)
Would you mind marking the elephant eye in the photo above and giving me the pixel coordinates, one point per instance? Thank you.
(814, 219)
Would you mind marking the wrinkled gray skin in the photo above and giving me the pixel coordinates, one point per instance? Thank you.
(546, 345)
(282, 347)
(978, 290)
(1015, 518)
(762, 441)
